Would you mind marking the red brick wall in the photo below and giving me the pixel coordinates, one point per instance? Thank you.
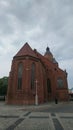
(27, 95)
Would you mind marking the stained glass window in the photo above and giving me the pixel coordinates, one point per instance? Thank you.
(48, 85)
(32, 76)
(20, 70)
(60, 82)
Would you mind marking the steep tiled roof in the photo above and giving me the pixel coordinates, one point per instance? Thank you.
(26, 50)
(47, 63)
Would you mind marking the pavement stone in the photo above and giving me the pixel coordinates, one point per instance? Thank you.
(18, 118)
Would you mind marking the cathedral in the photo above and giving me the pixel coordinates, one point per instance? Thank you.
(35, 78)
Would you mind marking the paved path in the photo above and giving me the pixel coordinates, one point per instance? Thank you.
(30, 118)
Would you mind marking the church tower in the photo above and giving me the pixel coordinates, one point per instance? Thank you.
(48, 54)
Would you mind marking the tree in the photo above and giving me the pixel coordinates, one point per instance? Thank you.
(3, 86)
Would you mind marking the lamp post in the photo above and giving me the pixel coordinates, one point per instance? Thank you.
(36, 95)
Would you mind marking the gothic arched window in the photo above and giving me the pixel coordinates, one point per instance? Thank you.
(48, 85)
(60, 82)
(20, 70)
(32, 76)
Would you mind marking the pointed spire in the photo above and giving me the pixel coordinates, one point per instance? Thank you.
(48, 54)
(48, 50)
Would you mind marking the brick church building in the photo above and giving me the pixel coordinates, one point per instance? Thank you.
(36, 79)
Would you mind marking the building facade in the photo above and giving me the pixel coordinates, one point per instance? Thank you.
(36, 79)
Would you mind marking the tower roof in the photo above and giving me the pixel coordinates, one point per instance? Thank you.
(48, 51)
(48, 54)
(26, 50)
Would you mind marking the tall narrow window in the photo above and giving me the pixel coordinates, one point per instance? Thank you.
(48, 85)
(20, 70)
(60, 82)
(32, 76)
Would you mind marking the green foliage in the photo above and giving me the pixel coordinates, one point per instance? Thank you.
(3, 85)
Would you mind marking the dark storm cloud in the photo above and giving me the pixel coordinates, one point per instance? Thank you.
(41, 23)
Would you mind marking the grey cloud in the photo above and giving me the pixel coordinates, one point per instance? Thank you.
(39, 22)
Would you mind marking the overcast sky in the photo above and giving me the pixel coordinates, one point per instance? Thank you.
(40, 23)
